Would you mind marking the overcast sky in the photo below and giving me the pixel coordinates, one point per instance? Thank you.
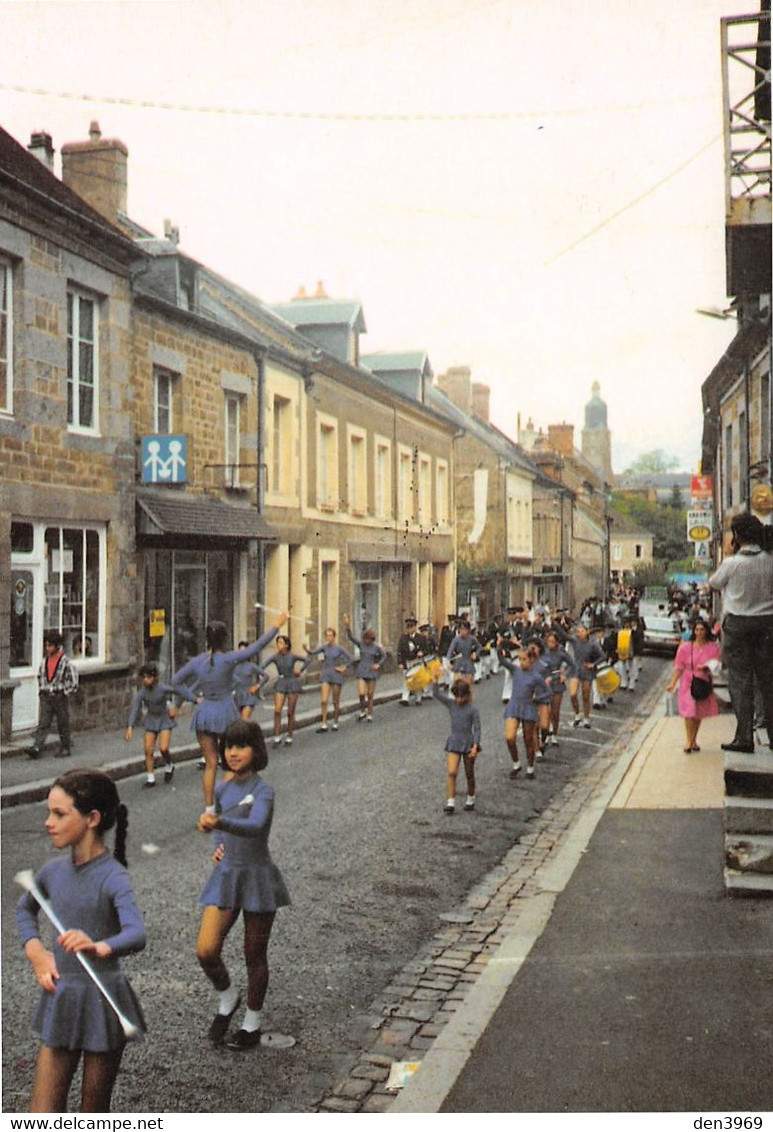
(533, 189)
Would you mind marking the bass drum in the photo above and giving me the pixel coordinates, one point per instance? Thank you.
(607, 680)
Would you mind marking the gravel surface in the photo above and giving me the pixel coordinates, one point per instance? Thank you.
(370, 861)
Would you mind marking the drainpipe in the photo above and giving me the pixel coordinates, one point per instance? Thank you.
(260, 581)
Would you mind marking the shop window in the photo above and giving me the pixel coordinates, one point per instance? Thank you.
(73, 588)
(22, 538)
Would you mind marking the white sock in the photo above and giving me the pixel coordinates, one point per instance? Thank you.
(251, 1021)
(152, 777)
(228, 1000)
(470, 799)
(517, 764)
(451, 803)
(209, 809)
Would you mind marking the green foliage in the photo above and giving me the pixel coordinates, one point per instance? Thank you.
(652, 574)
(667, 524)
(652, 463)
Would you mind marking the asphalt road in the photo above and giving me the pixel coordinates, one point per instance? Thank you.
(370, 861)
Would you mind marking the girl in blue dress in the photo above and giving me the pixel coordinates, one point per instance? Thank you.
(247, 680)
(521, 710)
(244, 879)
(334, 664)
(157, 701)
(464, 741)
(288, 686)
(211, 673)
(463, 653)
(91, 892)
(558, 665)
(372, 656)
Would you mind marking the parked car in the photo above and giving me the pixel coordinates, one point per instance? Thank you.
(662, 634)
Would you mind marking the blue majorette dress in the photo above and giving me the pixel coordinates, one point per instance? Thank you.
(211, 675)
(246, 878)
(97, 898)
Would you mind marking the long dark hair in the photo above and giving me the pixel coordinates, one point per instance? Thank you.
(94, 790)
(215, 636)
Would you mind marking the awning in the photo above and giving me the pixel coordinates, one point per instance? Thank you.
(201, 516)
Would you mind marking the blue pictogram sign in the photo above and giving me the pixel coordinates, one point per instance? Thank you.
(164, 459)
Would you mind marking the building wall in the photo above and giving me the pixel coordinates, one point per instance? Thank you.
(56, 476)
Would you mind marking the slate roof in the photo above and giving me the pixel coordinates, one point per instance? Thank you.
(405, 361)
(30, 175)
(322, 312)
(173, 513)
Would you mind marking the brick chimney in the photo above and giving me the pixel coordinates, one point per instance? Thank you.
(455, 383)
(42, 147)
(481, 401)
(97, 171)
(561, 438)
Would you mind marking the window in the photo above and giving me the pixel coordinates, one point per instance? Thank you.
(383, 480)
(327, 465)
(6, 337)
(281, 445)
(165, 381)
(765, 423)
(729, 465)
(358, 474)
(82, 359)
(743, 457)
(425, 492)
(405, 486)
(232, 438)
(617, 552)
(638, 551)
(441, 493)
(73, 598)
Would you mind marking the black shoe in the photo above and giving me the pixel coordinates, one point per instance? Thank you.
(469, 807)
(515, 771)
(168, 772)
(740, 747)
(220, 1024)
(32, 753)
(63, 755)
(148, 784)
(244, 1039)
(449, 811)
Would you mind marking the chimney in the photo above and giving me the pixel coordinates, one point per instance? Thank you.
(455, 383)
(320, 292)
(481, 401)
(42, 147)
(527, 437)
(97, 171)
(561, 438)
(301, 293)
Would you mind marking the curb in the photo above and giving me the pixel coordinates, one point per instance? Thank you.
(37, 790)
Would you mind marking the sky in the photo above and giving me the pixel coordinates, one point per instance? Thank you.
(534, 190)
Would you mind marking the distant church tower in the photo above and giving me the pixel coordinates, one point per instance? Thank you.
(596, 437)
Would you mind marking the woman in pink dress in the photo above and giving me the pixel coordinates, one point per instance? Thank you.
(692, 658)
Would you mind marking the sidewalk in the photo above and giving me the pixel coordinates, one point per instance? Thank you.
(29, 780)
(626, 980)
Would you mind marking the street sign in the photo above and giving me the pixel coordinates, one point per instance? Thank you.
(700, 523)
(701, 487)
(164, 459)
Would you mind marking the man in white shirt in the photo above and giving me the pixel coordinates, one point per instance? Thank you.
(745, 580)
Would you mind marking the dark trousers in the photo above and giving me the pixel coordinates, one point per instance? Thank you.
(53, 707)
(747, 653)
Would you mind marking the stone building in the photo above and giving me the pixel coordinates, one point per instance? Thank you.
(67, 442)
(596, 444)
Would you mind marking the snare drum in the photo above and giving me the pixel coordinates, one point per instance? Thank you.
(416, 678)
(607, 680)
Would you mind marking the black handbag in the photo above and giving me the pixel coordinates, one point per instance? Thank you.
(700, 687)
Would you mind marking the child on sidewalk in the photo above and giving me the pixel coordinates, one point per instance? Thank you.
(464, 741)
(160, 718)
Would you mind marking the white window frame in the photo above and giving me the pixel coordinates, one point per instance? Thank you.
(404, 484)
(327, 463)
(424, 504)
(6, 318)
(281, 444)
(232, 433)
(357, 467)
(617, 552)
(442, 501)
(382, 477)
(163, 376)
(76, 297)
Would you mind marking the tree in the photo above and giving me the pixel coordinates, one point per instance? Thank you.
(676, 502)
(652, 463)
(667, 525)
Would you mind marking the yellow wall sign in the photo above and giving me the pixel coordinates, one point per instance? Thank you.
(698, 533)
(157, 622)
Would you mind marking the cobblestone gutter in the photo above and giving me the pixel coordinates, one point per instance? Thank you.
(412, 1010)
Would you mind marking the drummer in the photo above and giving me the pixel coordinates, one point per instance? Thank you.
(427, 631)
(410, 657)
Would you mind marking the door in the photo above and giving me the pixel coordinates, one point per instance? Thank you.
(26, 643)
